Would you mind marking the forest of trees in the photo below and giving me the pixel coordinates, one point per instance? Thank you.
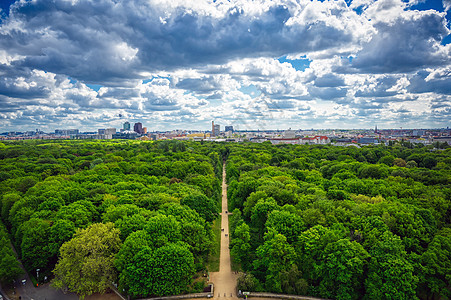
(89, 213)
(326, 221)
(342, 222)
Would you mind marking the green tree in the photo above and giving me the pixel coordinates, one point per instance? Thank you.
(163, 229)
(247, 282)
(390, 274)
(435, 273)
(7, 202)
(160, 272)
(173, 266)
(286, 223)
(9, 266)
(275, 256)
(60, 232)
(342, 270)
(34, 246)
(86, 262)
(134, 243)
(81, 213)
(260, 214)
(241, 246)
(203, 205)
(399, 162)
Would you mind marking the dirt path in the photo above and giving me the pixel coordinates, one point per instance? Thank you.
(225, 280)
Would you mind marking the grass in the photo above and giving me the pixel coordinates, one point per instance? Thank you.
(213, 259)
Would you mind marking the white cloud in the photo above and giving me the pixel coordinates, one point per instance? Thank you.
(194, 61)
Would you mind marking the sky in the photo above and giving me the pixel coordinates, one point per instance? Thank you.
(253, 64)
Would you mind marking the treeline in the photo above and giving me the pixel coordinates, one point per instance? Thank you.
(92, 213)
(342, 222)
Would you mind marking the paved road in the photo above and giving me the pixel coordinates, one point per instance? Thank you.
(224, 280)
(46, 292)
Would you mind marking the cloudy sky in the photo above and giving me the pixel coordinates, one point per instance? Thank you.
(258, 64)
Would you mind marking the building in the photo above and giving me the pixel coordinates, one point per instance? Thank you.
(316, 140)
(126, 126)
(289, 134)
(291, 141)
(138, 128)
(106, 133)
(127, 135)
(443, 139)
(228, 128)
(144, 130)
(215, 129)
(418, 132)
(66, 131)
(367, 140)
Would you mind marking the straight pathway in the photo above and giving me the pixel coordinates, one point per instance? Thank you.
(225, 280)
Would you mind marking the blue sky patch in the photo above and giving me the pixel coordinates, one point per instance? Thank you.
(250, 90)
(298, 64)
(429, 4)
(446, 40)
(95, 87)
(153, 77)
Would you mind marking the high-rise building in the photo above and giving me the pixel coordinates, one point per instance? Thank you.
(138, 128)
(106, 133)
(228, 128)
(127, 126)
(214, 129)
(145, 130)
(110, 131)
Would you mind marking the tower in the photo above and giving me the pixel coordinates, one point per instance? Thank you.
(127, 126)
(138, 128)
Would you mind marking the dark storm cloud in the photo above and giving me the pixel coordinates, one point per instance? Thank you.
(191, 59)
(120, 93)
(440, 85)
(11, 88)
(379, 88)
(405, 45)
(81, 40)
(199, 85)
(327, 93)
(329, 80)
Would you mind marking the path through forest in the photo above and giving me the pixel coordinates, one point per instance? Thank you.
(225, 280)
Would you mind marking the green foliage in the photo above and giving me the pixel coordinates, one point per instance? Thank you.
(297, 209)
(163, 229)
(363, 223)
(436, 265)
(204, 206)
(35, 247)
(390, 274)
(241, 246)
(86, 263)
(247, 283)
(342, 270)
(158, 272)
(9, 266)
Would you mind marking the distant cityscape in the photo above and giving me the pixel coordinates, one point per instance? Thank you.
(288, 136)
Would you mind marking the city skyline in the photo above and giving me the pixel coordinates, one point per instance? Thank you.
(251, 64)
